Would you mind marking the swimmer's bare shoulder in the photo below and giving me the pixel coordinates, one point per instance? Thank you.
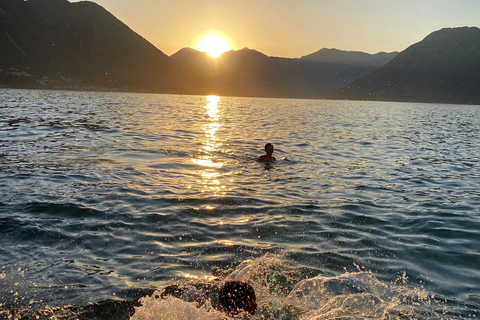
(265, 158)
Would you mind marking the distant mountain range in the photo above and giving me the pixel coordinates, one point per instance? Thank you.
(62, 45)
(248, 72)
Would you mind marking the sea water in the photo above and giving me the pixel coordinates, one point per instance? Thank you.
(119, 206)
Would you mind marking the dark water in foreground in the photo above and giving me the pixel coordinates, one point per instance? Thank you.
(371, 211)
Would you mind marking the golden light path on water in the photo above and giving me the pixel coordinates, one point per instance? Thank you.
(209, 175)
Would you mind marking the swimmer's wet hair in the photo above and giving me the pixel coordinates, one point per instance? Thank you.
(237, 296)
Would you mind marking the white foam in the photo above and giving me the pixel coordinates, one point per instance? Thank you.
(173, 309)
(356, 295)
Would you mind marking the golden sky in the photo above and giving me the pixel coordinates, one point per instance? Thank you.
(293, 28)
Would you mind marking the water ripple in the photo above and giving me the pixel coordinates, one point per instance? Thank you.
(103, 192)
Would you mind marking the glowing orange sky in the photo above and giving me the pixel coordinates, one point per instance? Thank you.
(288, 28)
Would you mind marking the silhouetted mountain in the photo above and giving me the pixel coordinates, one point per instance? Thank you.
(444, 68)
(194, 58)
(198, 71)
(248, 72)
(54, 43)
(58, 44)
(354, 58)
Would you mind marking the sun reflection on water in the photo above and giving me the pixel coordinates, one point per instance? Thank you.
(206, 157)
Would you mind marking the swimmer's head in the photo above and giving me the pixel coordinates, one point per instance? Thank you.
(269, 148)
(236, 296)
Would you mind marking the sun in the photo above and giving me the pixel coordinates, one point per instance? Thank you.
(213, 44)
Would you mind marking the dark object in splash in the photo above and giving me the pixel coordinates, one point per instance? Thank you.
(172, 290)
(236, 296)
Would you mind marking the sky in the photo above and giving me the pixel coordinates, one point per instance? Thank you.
(293, 28)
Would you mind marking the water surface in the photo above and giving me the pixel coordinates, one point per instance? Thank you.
(109, 196)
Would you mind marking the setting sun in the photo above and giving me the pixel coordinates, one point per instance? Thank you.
(213, 44)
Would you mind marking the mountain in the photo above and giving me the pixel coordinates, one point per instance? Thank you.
(194, 59)
(247, 72)
(62, 45)
(354, 58)
(198, 71)
(444, 67)
(58, 44)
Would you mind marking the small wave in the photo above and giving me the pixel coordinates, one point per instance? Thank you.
(62, 210)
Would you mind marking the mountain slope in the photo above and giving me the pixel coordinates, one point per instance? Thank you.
(444, 67)
(78, 42)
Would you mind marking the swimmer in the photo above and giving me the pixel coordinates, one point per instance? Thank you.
(236, 297)
(268, 156)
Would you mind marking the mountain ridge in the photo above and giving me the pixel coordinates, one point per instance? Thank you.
(443, 67)
(333, 55)
(55, 44)
(62, 45)
(248, 72)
